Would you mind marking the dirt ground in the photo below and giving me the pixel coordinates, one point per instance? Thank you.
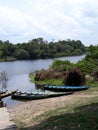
(38, 106)
(26, 110)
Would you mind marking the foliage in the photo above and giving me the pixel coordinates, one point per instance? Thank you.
(21, 54)
(57, 63)
(74, 77)
(32, 77)
(62, 65)
(50, 81)
(95, 74)
(93, 85)
(92, 52)
(53, 81)
(46, 81)
(39, 48)
(87, 65)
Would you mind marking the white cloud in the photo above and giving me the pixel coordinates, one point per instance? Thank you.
(15, 23)
(56, 19)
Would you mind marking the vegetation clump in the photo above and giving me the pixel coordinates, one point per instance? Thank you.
(74, 77)
(95, 75)
(56, 71)
(48, 74)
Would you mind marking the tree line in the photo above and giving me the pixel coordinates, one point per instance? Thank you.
(39, 48)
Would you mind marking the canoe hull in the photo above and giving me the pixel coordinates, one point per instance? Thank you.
(33, 96)
(65, 88)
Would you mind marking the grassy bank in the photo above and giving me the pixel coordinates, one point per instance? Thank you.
(78, 111)
(47, 81)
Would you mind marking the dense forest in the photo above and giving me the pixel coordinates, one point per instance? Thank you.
(39, 48)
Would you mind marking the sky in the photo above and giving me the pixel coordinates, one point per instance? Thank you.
(24, 20)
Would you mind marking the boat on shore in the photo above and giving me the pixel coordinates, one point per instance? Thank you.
(64, 88)
(37, 95)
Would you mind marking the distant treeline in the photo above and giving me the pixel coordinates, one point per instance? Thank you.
(39, 48)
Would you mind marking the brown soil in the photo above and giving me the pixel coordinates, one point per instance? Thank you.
(31, 109)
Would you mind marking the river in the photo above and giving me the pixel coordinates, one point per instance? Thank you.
(18, 71)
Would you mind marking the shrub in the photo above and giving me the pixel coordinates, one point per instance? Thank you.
(74, 77)
(95, 75)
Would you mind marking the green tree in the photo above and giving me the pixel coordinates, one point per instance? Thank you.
(1, 54)
(21, 54)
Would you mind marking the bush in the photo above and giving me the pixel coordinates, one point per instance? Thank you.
(74, 77)
(87, 65)
(95, 75)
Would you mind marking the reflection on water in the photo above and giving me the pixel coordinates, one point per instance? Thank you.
(72, 59)
(10, 102)
(20, 82)
(3, 80)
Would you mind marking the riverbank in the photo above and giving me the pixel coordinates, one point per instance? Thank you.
(76, 111)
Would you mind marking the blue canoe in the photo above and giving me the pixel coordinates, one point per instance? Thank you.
(64, 88)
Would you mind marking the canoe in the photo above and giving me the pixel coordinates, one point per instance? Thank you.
(35, 96)
(65, 88)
